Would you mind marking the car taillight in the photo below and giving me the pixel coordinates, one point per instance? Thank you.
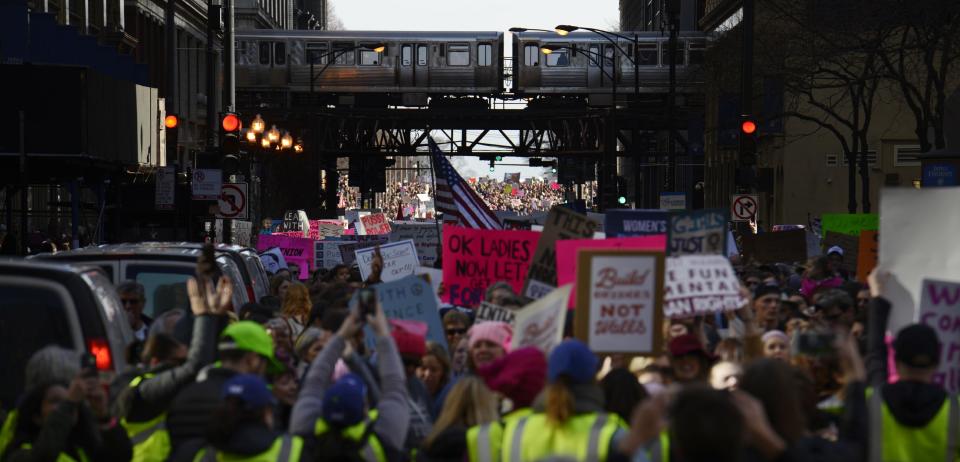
(100, 350)
(251, 295)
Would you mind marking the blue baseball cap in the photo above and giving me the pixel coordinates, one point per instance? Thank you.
(343, 403)
(573, 359)
(250, 389)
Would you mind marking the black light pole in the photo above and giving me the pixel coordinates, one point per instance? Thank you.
(213, 27)
(670, 181)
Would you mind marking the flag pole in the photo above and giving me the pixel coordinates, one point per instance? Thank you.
(436, 217)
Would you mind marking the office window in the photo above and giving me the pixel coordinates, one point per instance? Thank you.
(423, 53)
(280, 53)
(406, 55)
(316, 52)
(906, 156)
(484, 54)
(458, 55)
(647, 54)
(531, 55)
(559, 58)
(265, 53)
(370, 58)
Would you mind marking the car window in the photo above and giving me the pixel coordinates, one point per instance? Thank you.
(231, 270)
(33, 315)
(165, 286)
(259, 288)
(114, 317)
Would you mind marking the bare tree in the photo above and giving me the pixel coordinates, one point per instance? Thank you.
(333, 21)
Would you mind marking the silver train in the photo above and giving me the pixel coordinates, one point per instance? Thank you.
(408, 68)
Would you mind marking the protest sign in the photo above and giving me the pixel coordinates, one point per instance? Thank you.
(409, 299)
(434, 275)
(327, 254)
(489, 312)
(297, 250)
(374, 224)
(700, 284)
(849, 223)
(562, 223)
(697, 232)
(320, 229)
(399, 260)
(916, 241)
(540, 323)
(425, 236)
(940, 309)
(850, 245)
(867, 254)
(778, 247)
(351, 243)
(475, 258)
(567, 254)
(623, 223)
(619, 294)
(273, 260)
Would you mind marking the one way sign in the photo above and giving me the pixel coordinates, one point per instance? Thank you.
(744, 207)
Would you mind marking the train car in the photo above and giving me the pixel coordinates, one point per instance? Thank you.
(582, 64)
(369, 67)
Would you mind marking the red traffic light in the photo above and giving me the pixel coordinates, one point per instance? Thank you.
(171, 121)
(230, 123)
(749, 127)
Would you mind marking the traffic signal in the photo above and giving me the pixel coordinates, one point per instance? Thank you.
(748, 142)
(230, 143)
(621, 190)
(492, 166)
(171, 124)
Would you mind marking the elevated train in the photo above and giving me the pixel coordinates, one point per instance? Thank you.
(410, 68)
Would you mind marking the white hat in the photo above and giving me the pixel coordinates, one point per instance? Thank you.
(835, 249)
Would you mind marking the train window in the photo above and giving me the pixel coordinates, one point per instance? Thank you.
(280, 53)
(370, 58)
(316, 53)
(344, 54)
(423, 52)
(406, 55)
(647, 54)
(484, 54)
(265, 53)
(531, 55)
(696, 53)
(559, 57)
(594, 57)
(608, 55)
(665, 52)
(458, 54)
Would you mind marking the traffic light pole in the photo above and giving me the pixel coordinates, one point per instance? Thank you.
(213, 26)
(746, 76)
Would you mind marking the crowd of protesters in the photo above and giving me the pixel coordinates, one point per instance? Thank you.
(799, 373)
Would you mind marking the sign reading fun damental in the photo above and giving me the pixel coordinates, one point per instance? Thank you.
(475, 258)
(619, 295)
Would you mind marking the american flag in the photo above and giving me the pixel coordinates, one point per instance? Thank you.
(455, 198)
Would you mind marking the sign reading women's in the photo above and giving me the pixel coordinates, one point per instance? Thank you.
(297, 250)
(697, 232)
(619, 295)
(631, 222)
(475, 258)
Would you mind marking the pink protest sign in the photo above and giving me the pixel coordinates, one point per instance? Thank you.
(375, 223)
(940, 309)
(297, 250)
(475, 258)
(567, 254)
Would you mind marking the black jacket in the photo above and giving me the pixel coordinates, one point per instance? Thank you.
(191, 410)
(248, 440)
(71, 427)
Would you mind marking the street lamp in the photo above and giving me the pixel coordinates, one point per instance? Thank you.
(273, 135)
(265, 143)
(286, 142)
(251, 136)
(257, 125)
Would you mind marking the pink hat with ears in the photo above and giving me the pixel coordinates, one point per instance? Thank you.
(497, 332)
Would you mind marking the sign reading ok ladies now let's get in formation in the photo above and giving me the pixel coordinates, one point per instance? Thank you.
(475, 258)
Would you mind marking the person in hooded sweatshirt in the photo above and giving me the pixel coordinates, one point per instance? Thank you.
(910, 420)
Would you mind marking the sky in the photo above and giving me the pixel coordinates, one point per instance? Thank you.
(476, 15)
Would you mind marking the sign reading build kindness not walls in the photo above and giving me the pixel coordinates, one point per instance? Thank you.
(475, 258)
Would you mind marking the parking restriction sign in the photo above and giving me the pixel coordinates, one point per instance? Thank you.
(744, 207)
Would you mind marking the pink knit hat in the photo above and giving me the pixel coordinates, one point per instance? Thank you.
(494, 331)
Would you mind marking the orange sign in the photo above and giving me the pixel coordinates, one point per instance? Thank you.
(868, 253)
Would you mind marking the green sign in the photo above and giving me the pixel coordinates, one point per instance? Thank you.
(847, 223)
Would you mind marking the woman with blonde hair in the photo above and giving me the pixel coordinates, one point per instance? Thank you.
(296, 308)
(469, 403)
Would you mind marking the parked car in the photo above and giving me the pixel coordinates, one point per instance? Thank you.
(72, 306)
(254, 276)
(163, 271)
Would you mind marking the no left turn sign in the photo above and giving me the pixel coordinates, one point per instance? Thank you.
(744, 207)
(233, 201)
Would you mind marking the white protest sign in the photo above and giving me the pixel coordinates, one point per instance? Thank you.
(916, 241)
(940, 309)
(327, 253)
(273, 260)
(489, 312)
(700, 284)
(425, 236)
(435, 275)
(540, 323)
(399, 260)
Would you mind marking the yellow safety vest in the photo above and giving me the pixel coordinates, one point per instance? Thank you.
(484, 441)
(63, 457)
(286, 448)
(372, 450)
(7, 431)
(891, 441)
(150, 439)
(583, 437)
(659, 451)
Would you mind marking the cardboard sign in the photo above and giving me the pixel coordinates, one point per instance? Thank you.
(700, 284)
(273, 260)
(410, 299)
(780, 247)
(624, 223)
(619, 294)
(562, 223)
(374, 224)
(327, 254)
(940, 309)
(697, 232)
(425, 236)
(348, 249)
(849, 223)
(320, 229)
(475, 258)
(540, 323)
(297, 250)
(868, 252)
(849, 244)
(567, 254)
(489, 312)
(399, 260)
